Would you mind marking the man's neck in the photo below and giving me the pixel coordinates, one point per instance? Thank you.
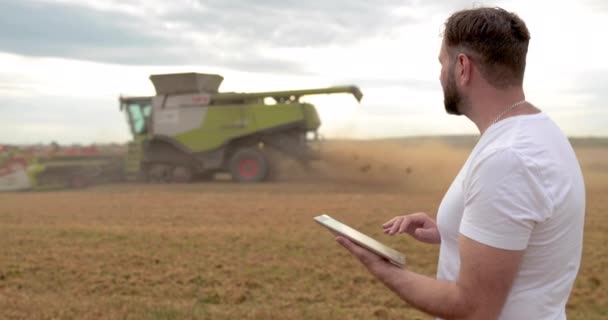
(491, 103)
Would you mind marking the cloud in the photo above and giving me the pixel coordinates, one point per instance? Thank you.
(44, 29)
(229, 33)
(279, 23)
(75, 31)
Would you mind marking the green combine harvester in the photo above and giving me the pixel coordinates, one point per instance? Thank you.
(188, 130)
(191, 130)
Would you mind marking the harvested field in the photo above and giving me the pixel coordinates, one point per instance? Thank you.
(219, 250)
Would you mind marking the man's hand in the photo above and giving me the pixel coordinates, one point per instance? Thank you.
(418, 225)
(373, 262)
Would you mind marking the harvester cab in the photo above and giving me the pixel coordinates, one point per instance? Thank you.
(191, 129)
(138, 113)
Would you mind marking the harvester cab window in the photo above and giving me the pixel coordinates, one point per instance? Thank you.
(139, 113)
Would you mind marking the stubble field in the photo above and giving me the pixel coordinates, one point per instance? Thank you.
(219, 250)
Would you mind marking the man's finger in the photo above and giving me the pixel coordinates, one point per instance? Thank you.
(353, 248)
(365, 256)
(390, 222)
(396, 225)
(404, 224)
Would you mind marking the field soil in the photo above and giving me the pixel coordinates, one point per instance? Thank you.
(221, 250)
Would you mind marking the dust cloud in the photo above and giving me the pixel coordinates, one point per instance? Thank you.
(392, 164)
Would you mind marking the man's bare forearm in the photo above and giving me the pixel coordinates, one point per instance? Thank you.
(443, 299)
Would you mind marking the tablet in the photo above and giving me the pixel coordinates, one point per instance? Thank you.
(394, 256)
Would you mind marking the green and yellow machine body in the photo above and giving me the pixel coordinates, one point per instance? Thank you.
(190, 129)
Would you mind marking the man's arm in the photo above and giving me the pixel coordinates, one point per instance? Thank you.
(485, 279)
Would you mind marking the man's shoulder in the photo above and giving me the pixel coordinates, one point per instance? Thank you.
(527, 140)
(496, 157)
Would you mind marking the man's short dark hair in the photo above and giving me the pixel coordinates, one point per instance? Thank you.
(496, 40)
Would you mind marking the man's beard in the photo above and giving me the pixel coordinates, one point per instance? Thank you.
(452, 99)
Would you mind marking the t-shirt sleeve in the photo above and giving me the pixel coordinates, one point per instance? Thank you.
(504, 200)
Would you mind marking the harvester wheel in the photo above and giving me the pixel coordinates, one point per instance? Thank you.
(248, 165)
(182, 174)
(159, 173)
(78, 181)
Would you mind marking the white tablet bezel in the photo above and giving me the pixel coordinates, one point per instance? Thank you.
(394, 256)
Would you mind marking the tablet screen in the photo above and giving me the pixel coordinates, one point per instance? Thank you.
(361, 239)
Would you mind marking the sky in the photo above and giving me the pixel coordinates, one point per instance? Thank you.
(64, 64)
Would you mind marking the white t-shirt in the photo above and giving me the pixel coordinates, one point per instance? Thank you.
(520, 189)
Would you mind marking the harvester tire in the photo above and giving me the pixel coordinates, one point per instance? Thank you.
(159, 173)
(249, 165)
(182, 174)
(78, 181)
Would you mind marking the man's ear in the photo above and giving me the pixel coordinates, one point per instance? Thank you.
(464, 69)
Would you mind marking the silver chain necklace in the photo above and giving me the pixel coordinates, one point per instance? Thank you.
(515, 105)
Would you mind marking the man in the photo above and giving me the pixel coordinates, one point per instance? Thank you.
(510, 227)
